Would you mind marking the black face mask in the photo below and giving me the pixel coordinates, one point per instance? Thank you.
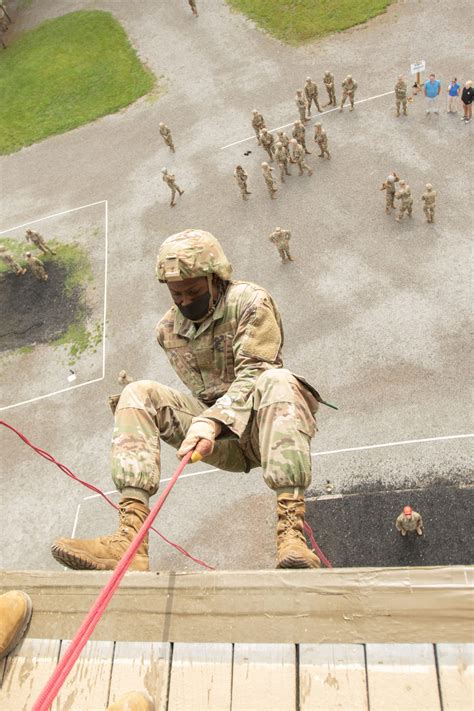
(197, 309)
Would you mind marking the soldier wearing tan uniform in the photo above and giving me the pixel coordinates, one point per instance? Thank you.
(11, 263)
(258, 122)
(330, 88)
(389, 186)
(401, 95)
(311, 94)
(267, 140)
(409, 521)
(37, 267)
(283, 138)
(349, 87)
(38, 241)
(282, 157)
(267, 173)
(241, 177)
(167, 137)
(224, 339)
(298, 153)
(301, 105)
(281, 239)
(170, 181)
(429, 202)
(299, 132)
(406, 201)
(322, 140)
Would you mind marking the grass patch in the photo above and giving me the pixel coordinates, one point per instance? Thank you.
(299, 21)
(64, 73)
(78, 338)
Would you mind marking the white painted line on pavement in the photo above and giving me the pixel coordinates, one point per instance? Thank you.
(56, 214)
(57, 392)
(279, 128)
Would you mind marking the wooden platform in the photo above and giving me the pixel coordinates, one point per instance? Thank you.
(248, 677)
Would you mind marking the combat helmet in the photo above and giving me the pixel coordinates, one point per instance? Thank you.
(191, 253)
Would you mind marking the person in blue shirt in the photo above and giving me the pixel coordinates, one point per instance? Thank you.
(453, 93)
(432, 89)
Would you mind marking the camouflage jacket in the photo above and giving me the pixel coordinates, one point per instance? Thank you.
(241, 176)
(165, 132)
(35, 237)
(281, 155)
(321, 137)
(280, 239)
(258, 121)
(310, 89)
(429, 198)
(169, 179)
(409, 524)
(349, 86)
(401, 90)
(220, 359)
(299, 132)
(329, 80)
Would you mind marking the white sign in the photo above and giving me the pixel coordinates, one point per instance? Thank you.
(418, 67)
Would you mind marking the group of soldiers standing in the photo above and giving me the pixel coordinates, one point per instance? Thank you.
(403, 194)
(35, 265)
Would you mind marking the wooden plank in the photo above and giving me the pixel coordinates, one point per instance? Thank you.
(87, 686)
(200, 677)
(404, 674)
(332, 676)
(347, 605)
(264, 677)
(27, 671)
(456, 674)
(141, 666)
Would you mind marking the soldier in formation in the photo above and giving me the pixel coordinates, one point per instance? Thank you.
(241, 177)
(167, 137)
(299, 132)
(10, 262)
(37, 267)
(170, 181)
(389, 185)
(38, 241)
(267, 140)
(409, 521)
(300, 102)
(258, 122)
(283, 138)
(406, 201)
(401, 95)
(298, 154)
(192, 5)
(265, 413)
(330, 88)
(282, 157)
(349, 87)
(269, 180)
(311, 94)
(322, 140)
(281, 240)
(429, 202)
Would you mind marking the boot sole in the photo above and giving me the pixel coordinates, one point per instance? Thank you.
(290, 562)
(26, 621)
(77, 561)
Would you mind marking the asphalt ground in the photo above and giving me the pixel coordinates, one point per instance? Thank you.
(376, 314)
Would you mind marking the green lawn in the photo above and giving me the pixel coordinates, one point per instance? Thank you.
(298, 21)
(64, 73)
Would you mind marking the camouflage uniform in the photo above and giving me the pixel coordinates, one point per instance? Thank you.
(269, 180)
(267, 140)
(429, 200)
(401, 96)
(282, 157)
(349, 87)
(192, 5)
(406, 202)
(37, 267)
(330, 88)
(299, 132)
(170, 181)
(322, 140)
(8, 260)
(390, 188)
(301, 106)
(311, 94)
(258, 122)
(281, 240)
(241, 177)
(298, 157)
(283, 139)
(166, 134)
(38, 241)
(409, 524)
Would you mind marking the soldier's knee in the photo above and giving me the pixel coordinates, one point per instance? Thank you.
(141, 393)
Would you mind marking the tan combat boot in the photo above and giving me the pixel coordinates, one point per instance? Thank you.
(105, 552)
(15, 613)
(133, 701)
(292, 549)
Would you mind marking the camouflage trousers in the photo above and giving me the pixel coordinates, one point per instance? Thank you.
(277, 438)
(403, 103)
(389, 199)
(309, 101)
(429, 211)
(169, 142)
(284, 253)
(331, 94)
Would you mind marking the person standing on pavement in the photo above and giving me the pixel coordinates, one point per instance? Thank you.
(432, 89)
(453, 94)
(466, 98)
(409, 521)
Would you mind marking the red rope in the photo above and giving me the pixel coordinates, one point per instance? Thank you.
(50, 691)
(319, 553)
